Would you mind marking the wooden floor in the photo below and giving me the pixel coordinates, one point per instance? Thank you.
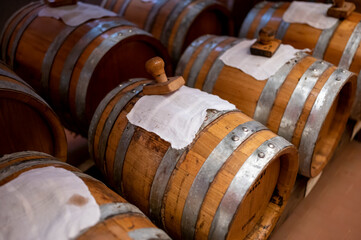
(332, 211)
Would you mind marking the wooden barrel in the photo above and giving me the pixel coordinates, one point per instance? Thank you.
(75, 67)
(339, 45)
(231, 182)
(303, 112)
(175, 22)
(26, 120)
(118, 218)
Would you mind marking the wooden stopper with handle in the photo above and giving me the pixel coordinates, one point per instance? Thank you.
(60, 3)
(266, 44)
(163, 85)
(341, 9)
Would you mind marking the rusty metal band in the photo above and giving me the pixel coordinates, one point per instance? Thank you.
(165, 170)
(282, 29)
(184, 60)
(317, 116)
(15, 19)
(77, 51)
(102, 4)
(299, 97)
(19, 166)
(22, 89)
(208, 172)
(13, 156)
(109, 123)
(356, 108)
(270, 90)
(148, 234)
(124, 7)
(157, 5)
(92, 62)
(99, 111)
(50, 57)
(250, 18)
(201, 59)
(185, 24)
(267, 17)
(13, 76)
(113, 209)
(112, 4)
(19, 34)
(323, 41)
(246, 176)
(172, 18)
(216, 69)
(351, 48)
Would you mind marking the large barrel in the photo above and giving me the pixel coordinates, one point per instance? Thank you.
(74, 67)
(175, 22)
(310, 114)
(231, 182)
(339, 45)
(118, 219)
(26, 120)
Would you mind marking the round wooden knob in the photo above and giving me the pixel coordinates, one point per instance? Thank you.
(59, 3)
(155, 67)
(338, 3)
(266, 35)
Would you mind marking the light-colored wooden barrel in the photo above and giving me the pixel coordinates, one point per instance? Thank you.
(339, 45)
(175, 22)
(307, 101)
(26, 121)
(119, 219)
(75, 67)
(232, 182)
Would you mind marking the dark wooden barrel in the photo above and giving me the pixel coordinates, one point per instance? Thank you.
(191, 193)
(26, 120)
(118, 220)
(311, 114)
(339, 45)
(75, 67)
(175, 22)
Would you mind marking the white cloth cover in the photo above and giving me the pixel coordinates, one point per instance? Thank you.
(176, 117)
(46, 203)
(74, 15)
(313, 14)
(261, 68)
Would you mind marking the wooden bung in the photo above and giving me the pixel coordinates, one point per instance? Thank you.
(339, 45)
(307, 101)
(266, 44)
(341, 9)
(26, 120)
(182, 190)
(175, 22)
(113, 225)
(74, 67)
(163, 85)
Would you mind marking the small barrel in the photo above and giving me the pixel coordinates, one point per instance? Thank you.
(74, 67)
(232, 181)
(26, 120)
(339, 45)
(118, 219)
(310, 114)
(175, 22)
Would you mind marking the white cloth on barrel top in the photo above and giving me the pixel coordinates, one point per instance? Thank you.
(313, 14)
(259, 67)
(46, 203)
(178, 116)
(74, 15)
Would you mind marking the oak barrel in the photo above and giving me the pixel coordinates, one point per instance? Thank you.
(175, 22)
(339, 45)
(118, 218)
(26, 121)
(75, 67)
(192, 193)
(311, 114)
